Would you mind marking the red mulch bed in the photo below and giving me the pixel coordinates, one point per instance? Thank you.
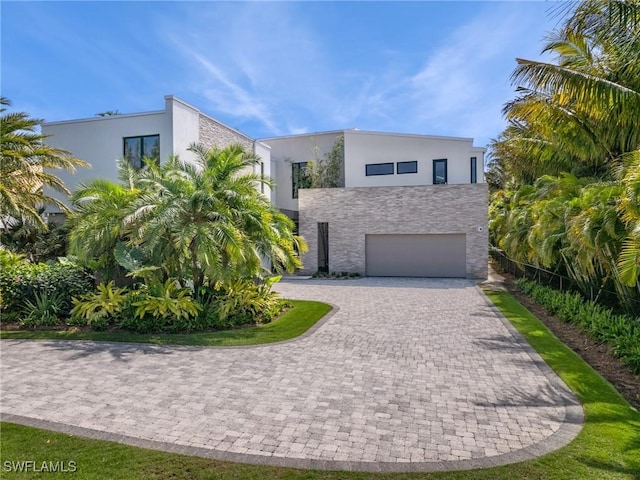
(598, 355)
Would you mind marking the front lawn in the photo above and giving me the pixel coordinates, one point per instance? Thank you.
(608, 447)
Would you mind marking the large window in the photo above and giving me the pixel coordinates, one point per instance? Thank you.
(299, 178)
(407, 167)
(137, 148)
(474, 170)
(379, 169)
(440, 171)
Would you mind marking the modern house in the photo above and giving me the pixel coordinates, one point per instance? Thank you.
(404, 205)
(156, 135)
(407, 205)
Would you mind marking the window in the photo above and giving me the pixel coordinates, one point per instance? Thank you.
(407, 167)
(474, 170)
(379, 169)
(440, 171)
(137, 148)
(299, 178)
(262, 177)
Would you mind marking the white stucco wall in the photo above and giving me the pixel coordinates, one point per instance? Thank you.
(99, 141)
(264, 152)
(295, 148)
(185, 122)
(362, 148)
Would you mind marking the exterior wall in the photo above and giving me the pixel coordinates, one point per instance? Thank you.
(215, 134)
(354, 212)
(185, 121)
(264, 152)
(99, 141)
(362, 148)
(296, 148)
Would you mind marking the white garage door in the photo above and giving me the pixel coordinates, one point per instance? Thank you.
(436, 255)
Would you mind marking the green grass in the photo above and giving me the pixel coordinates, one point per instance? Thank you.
(608, 447)
(292, 323)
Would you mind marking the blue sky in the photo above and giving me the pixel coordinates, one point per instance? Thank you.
(276, 68)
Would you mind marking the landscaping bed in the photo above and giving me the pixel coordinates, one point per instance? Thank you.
(597, 354)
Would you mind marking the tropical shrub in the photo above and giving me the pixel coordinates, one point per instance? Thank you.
(64, 279)
(43, 311)
(244, 302)
(98, 309)
(161, 308)
(621, 332)
(9, 259)
(34, 242)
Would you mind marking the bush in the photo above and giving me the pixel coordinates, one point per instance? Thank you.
(621, 332)
(100, 308)
(21, 283)
(161, 308)
(43, 311)
(243, 302)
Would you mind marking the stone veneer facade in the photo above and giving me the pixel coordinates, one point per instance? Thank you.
(216, 134)
(354, 212)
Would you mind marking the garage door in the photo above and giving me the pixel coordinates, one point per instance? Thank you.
(437, 255)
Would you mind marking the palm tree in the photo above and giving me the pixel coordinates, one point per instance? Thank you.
(629, 208)
(581, 113)
(206, 221)
(97, 223)
(25, 164)
(203, 221)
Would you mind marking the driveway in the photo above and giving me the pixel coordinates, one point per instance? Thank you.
(405, 375)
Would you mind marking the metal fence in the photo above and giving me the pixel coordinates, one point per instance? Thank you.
(559, 282)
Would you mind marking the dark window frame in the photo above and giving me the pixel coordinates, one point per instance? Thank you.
(142, 152)
(413, 163)
(298, 179)
(262, 177)
(369, 173)
(474, 169)
(437, 161)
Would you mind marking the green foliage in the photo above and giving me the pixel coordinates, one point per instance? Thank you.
(160, 308)
(99, 308)
(326, 172)
(200, 222)
(622, 332)
(338, 275)
(9, 259)
(26, 165)
(580, 113)
(577, 228)
(239, 303)
(570, 156)
(43, 310)
(22, 282)
(34, 242)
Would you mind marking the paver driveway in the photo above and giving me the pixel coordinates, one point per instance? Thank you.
(407, 374)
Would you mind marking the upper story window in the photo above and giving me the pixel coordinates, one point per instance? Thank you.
(299, 178)
(440, 171)
(379, 169)
(474, 170)
(137, 148)
(407, 167)
(262, 177)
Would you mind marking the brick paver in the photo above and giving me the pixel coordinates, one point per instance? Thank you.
(407, 374)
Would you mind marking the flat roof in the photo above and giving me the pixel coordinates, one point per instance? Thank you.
(372, 132)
